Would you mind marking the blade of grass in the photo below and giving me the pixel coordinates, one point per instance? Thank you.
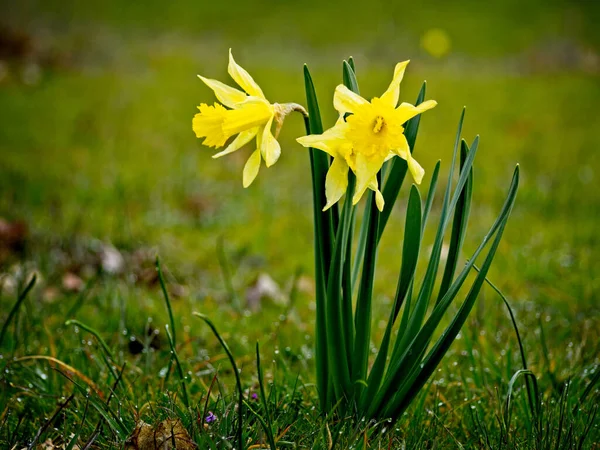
(22, 296)
(533, 402)
(226, 273)
(236, 373)
(269, 425)
(47, 424)
(163, 287)
(101, 341)
(186, 400)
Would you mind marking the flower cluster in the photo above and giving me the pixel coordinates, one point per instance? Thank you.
(367, 133)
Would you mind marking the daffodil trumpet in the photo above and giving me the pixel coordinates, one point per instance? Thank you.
(367, 134)
(246, 114)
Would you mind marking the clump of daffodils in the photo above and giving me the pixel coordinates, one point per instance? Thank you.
(371, 134)
(247, 114)
(348, 158)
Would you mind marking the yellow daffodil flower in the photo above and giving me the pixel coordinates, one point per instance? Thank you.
(247, 114)
(371, 134)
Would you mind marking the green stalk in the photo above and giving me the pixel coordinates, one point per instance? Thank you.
(323, 241)
(337, 341)
(362, 315)
(410, 254)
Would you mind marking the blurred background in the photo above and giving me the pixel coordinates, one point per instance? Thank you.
(99, 166)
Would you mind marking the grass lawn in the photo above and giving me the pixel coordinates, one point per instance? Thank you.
(100, 172)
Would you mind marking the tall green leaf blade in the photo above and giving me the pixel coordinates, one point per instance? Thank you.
(349, 79)
(420, 376)
(404, 366)
(459, 225)
(337, 341)
(410, 254)
(407, 307)
(323, 241)
(422, 302)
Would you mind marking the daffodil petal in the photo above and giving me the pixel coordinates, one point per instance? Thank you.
(251, 168)
(243, 78)
(336, 182)
(331, 141)
(242, 139)
(404, 150)
(366, 170)
(407, 111)
(374, 186)
(227, 95)
(269, 147)
(415, 168)
(346, 101)
(379, 200)
(393, 91)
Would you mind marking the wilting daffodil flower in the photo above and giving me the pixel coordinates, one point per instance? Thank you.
(371, 133)
(247, 114)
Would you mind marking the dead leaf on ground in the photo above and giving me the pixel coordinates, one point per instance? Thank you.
(167, 435)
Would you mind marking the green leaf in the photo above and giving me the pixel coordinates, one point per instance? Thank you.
(349, 78)
(422, 302)
(347, 282)
(459, 225)
(407, 307)
(236, 372)
(407, 367)
(323, 245)
(410, 254)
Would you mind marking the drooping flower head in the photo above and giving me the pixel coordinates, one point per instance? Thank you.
(371, 133)
(247, 114)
